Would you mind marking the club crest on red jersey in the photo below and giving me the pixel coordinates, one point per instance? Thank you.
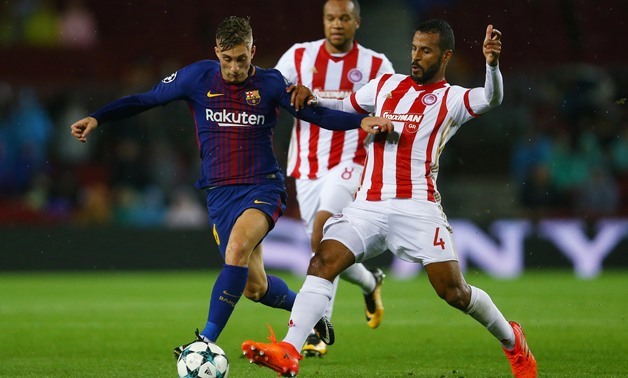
(429, 99)
(354, 75)
(253, 97)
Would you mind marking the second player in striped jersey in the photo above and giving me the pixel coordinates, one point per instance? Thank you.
(327, 164)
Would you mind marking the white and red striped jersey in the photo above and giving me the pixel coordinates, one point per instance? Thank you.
(404, 163)
(313, 150)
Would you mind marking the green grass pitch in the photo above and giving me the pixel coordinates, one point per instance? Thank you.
(125, 324)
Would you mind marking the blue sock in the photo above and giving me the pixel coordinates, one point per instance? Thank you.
(227, 290)
(278, 294)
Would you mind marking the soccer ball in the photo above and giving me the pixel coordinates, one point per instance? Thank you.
(203, 360)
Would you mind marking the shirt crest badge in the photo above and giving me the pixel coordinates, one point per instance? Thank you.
(253, 97)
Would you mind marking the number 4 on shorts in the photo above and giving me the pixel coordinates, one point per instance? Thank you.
(437, 240)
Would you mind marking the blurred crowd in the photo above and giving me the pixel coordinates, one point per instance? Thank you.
(565, 131)
(46, 23)
(139, 171)
(571, 156)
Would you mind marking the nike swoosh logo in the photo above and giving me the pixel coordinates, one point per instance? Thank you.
(230, 295)
(258, 202)
(210, 94)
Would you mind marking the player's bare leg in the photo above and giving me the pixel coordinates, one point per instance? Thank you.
(451, 286)
(257, 284)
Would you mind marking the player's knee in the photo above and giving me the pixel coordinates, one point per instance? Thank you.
(237, 254)
(329, 262)
(317, 265)
(254, 291)
(317, 236)
(456, 296)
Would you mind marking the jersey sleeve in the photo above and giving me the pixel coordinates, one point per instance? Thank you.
(470, 103)
(482, 99)
(286, 65)
(173, 87)
(363, 100)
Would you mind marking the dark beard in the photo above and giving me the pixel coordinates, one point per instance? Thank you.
(427, 75)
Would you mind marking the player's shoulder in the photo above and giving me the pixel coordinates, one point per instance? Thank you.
(365, 50)
(204, 66)
(456, 89)
(267, 73)
(389, 78)
(306, 46)
(197, 69)
(271, 77)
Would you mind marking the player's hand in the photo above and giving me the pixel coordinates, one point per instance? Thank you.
(300, 96)
(81, 128)
(492, 45)
(374, 125)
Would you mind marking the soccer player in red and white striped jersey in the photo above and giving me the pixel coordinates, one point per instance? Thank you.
(398, 206)
(327, 165)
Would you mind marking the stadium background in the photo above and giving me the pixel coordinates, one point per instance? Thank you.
(555, 150)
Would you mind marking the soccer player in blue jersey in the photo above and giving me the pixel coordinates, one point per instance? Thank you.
(235, 108)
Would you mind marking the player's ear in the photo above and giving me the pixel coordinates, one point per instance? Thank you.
(217, 51)
(252, 51)
(447, 56)
(357, 23)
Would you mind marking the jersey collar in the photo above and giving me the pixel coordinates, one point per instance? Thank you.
(328, 55)
(428, 87)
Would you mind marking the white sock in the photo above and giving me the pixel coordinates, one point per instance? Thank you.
(358, 274)
(482, 309)
(330, 306)
(308, 308)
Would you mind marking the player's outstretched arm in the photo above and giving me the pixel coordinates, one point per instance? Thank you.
(492, 46)
(81, 128)
(493, 85)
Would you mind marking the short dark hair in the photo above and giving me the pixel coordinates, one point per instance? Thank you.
(447, 40)
(234, 31)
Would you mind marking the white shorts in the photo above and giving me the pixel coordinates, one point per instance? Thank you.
(413, 230)
(332, 192)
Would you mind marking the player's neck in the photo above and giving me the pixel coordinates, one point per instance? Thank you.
(432, 81)
(343, 49)
(436, 79)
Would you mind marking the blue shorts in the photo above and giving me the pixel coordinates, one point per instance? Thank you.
(226, 203)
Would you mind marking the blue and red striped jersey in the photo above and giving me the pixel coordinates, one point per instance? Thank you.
(234, 122)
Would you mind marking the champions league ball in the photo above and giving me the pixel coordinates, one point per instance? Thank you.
(203, 360)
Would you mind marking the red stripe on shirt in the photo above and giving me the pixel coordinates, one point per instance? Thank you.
(360, 151)
(374, 193)
(442, 113)
(404, 151)
(376, 63)
(298, 59)
(318, 82)
(355, 104)
(467, 104)
(349, 62)
(297, 128)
